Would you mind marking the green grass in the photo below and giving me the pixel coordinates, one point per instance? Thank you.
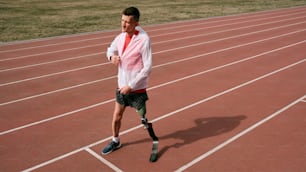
(29, 19)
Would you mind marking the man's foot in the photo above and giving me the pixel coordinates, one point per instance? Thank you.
(111, 147)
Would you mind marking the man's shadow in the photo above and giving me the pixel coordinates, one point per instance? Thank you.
(204, 128)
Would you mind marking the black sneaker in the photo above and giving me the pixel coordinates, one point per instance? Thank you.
(111, 147)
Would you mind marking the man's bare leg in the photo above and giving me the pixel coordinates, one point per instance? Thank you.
(117, 117)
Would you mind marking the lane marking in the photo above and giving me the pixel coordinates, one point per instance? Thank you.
(172, 33)
(157, 66)
(92, 45)
(51, 62)
(231, 37)
(166, 115)
(222, 145)
(54, 160)
(57, 91)
(109, 164)
(56, 117)
(53, 74)
(151, 88)
(227, 30)
(163, 51)
(50, 52)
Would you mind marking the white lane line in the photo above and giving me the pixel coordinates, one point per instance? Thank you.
(94, 54)
(53, 74)
(54, 160)
(217, 148)
(240, 45)
(231, 37)
(56, 91)
(86, 67)
(166, 115)
(151, 88)
(172, 33)
(109, 164)
(56, 117)
(92, 45)
(51, 52)
(192, 45)
(57, 44)
(180, 24)
(161, 65)
(51, 62)
(229, 24)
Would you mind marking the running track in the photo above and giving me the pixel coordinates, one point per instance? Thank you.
(226, 94)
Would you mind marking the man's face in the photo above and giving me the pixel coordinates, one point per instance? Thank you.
(128, 24)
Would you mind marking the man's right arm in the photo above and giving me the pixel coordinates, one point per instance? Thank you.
(112, 50)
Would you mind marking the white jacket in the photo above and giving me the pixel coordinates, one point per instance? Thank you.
(135, 62)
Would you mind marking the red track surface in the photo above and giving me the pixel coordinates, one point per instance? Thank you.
(227, 94)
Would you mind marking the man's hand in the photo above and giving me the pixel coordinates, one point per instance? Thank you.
(115, 59)
(125, 90)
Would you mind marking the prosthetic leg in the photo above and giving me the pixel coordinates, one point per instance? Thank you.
(147, 125)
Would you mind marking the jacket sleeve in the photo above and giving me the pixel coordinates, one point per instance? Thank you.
(113, 48)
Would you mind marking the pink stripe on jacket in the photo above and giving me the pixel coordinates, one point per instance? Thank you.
(135, 62)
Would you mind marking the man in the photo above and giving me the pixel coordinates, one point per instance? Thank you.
(131, 53)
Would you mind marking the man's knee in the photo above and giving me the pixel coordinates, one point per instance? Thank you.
(118, 112)
(142, 112)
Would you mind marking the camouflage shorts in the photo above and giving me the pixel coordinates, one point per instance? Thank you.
(135, 100)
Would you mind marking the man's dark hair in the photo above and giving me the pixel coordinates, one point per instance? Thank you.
(132, 11)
